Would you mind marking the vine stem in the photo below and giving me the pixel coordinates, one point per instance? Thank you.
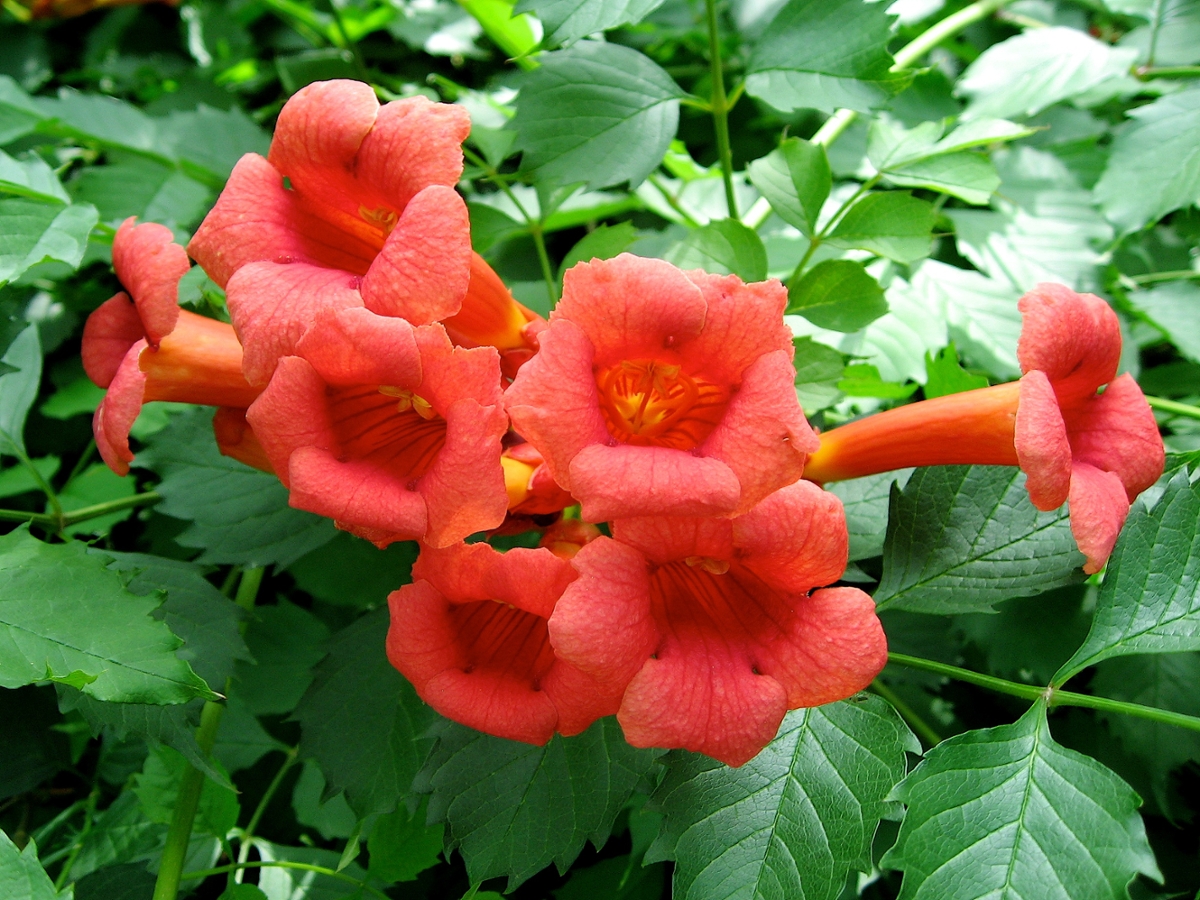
(1052, 695)
(720, 107)
(247, 836)
(1174, 407)
(919, 725)
(75, 516)
(179, 834)
(286, 864)
(1159, 277)
(836, 124)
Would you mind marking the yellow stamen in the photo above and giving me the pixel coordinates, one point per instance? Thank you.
(406, 400)
(708, 564)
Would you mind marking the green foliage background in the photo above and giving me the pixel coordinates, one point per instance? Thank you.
(908, 170)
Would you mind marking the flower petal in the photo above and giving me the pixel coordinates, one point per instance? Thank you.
(354, 346)
(423, 270)
(623, 481)
(273, 305)
(663, 539)
(149, 263)
(631, 307)
(1040, 438)
(763, 436)
(119, 410)
(1074, 338)
(1099, 506)
(112, 328)
(1117, 432)
(742, 322)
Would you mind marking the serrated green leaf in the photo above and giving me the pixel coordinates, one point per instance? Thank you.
(512, 809)
(944, 374)
(865, 501)
(332, 817)
(604, 242)
(241, 739)
(1154, 165)
(153, 191)
(862, 380)
(796, 181)
(894, 224)
(839, 295)
(243, 892)
(964, 538)
(106, 120)
(402, 846)
(1149, 601)
(293, 884)
(128, 881)
(157, 790)
(349, 571)
(22, 876)
(1007, 812)
(565, 21)
(724, 247)
(795, 820)
(32, 232)
(1173, 308)
(362, 722)
(213, 139)
(238, 515)
(285, 642)
(62, 612)
(1171, 37)
(119, 834)
(824, 54)
(597, 113)
(968, 176)
(30, 177)
(1026, 73)
(19, 113)
(18, 388)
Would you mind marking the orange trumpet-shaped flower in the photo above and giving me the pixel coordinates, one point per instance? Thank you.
(661, 392)
(148, 349)
(1097, 450)
(490, 317)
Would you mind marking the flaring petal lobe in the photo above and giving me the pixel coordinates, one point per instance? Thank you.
(1041, 441)
(741, 323)
(1117, 432)
(354, 346)
(1099, 506)
(1074, 338)
(112, 328)
(149, 263)
(119, 410)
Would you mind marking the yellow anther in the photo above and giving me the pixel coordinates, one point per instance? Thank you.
(708, 564)
(382, 218)
(406, 400)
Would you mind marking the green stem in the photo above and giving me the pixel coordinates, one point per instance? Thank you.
(17, 11)
(79, 515)
(720, 107)
(672, 200)
(1157, 277)
(247, 835)
(285, 864)
(170, 867)
(1051, 695)
(1146, 74)
(80, 464)
(919, 725)
(539, 241)
(817, 238)
(247, 591)
(360, 65)
(88, 818)
(44, 487)
(1174, 407)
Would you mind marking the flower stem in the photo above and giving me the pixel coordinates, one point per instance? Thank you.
(247, 835)
(1158, 277)
(1052, 695)
(286, 864)
(179, 835)
(836, 124)
(919, 725)
(75, 516)
(720, 107)
(1173, 407)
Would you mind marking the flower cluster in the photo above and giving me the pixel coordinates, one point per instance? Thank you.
(386, 375)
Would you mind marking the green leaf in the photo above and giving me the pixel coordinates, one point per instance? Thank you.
(796, 181)
(119, 834)
(157, 790)
(1024, 74)
(968, 176)
(795, 820)
(74, 399)
(894, 224)
(153, 191)
(18, 389)
(1163, 681)
(285, 642)
(724, 247)
(964, 538)
(1172, 36)
(241, 739)
(512, 808)
(1149, 601)
(1172, 307)
(818, 371)
(861, 380)
(605, 242)
(1007, 812)
(1154, 165)
(615, 878)
(349, 571)
(866, 501)
(332, 817)
(293, 884)
(598, 113)
(213, 139)
(129, 881)
(566, 21)
(362, 722)
(103, 119)
(402, 846)
(59, 607)
(32, 232)
(32, 749)
(30, 177)
(945, 375)
(22, 876)
(824, 54)
(837, 294)
(19, 480)
(19, 113)
(243, 892)
(238, 515)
